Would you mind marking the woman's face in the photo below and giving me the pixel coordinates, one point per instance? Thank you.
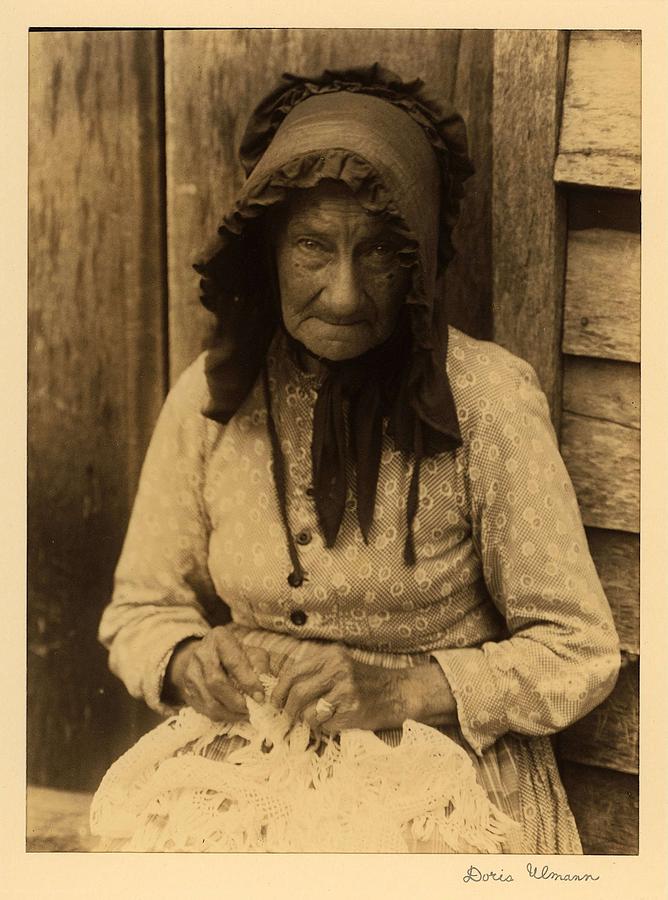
(339, 271)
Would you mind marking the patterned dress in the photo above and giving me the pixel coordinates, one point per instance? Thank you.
(504, 594)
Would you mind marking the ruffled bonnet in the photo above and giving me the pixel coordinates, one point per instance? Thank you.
(404, 158)
(401, 155)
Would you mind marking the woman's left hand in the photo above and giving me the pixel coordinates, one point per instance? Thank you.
(357, 696)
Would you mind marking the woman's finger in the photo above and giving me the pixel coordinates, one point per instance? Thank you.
(320, 714)
(217, 684)
(235, 663)
(259, 659)
(304, 692)
(294, 670)
(197, 696)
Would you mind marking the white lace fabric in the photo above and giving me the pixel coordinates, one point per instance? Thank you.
(282, 792)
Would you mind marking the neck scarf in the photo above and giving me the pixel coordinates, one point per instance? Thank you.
(367, 386)
(371, 389)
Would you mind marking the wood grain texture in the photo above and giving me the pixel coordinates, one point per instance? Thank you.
(600, 136)
(528, 215)
(608, 736)
(468, 280)
(603, 460)
(605, 806)
(57, 821)
(602, 304)
(616, 555)
(212, 87)
(96, 374)
(602, 389)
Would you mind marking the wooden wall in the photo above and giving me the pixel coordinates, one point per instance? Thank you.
(599, 165)
(578, 274)
(96, 374)
(133, 139)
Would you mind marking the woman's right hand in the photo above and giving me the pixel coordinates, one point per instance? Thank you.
(213, 673)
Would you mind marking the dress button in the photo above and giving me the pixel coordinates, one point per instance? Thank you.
(310, 491)
(298, 617)
(295, 580)
(304, 537)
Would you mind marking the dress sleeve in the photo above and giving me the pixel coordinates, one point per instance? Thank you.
(162, 574)
(562, 656)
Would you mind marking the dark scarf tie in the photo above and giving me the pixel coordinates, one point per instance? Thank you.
(365, 390)
(372, 387)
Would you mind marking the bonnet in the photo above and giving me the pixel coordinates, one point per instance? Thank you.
(405, 159)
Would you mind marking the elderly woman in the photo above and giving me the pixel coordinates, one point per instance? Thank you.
(378, 499)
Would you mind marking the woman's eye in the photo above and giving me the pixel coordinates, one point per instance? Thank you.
(382, 250)
(309, 244)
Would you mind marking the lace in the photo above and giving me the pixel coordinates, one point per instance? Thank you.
(284, 789)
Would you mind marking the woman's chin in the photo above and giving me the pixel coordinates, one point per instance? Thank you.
(350, 343)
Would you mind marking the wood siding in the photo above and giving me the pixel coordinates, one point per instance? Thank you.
(566, 264)
(602, 308)
(96, 287)
(605, 806)
(600, 432)
(528, 215)
(600, 135)
(603, 459)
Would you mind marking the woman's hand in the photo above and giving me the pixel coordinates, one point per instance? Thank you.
(320, 670)
(359, 695)
(212, 675)
(356, 695)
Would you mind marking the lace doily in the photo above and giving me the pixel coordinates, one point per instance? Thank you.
(284, 791)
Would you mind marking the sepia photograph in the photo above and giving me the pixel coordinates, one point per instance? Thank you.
(334, 442)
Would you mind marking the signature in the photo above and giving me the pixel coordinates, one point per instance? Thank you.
(474, 874)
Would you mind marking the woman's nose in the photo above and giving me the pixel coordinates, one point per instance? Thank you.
(343, 292)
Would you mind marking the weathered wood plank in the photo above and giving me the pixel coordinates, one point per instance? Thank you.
(603, 460)
(605, 806)
(608, 735)
(600, 135)
(602, 389)
(602, 304)
(96, 376)
(468, 279)
(211, 89)
(528, 215)
(57, 821)
(616, 555)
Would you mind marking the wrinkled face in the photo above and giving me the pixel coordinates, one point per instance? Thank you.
(340, 275)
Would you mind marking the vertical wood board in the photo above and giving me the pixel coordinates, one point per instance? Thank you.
(528, 215)
(600, 136)
(468, 279)
(96, 290)
(603, 460)
(211, 89)
(602, 305)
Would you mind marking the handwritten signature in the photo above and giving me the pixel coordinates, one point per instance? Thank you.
(474, 874)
